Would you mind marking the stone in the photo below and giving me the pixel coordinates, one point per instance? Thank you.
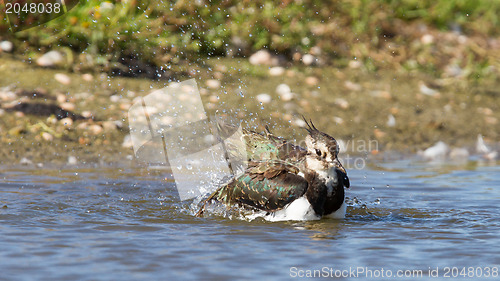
(263, 98)
(391, 121)
(342, 103)
(62, 78)
(262, 57)
(87, 77)
(25, 161)
(47, 136)
(127, 142)
(87, 114)
(308, 59)
(352, 86)
(213, 84)
(283, 89)
(276, 71)
(95, 129)
(68, 106)
(6, 46)
(50, 59)
(312, 81)
(427, 39)
(109, 126)
(72, 160)
(436, 152)
(67, 122)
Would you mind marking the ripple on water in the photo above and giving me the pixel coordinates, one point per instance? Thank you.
(129, 224)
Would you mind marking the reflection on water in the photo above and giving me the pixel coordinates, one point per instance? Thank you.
(117, 223)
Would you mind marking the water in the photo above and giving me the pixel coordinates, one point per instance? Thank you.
(127, 223)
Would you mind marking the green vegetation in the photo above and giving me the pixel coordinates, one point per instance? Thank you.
(380, 34)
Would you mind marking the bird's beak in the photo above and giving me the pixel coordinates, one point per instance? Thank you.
(342, 171)
(338, 165)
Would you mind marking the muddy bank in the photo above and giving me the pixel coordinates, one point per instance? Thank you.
(48, 115)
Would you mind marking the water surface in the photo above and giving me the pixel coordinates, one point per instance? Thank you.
(127, 223)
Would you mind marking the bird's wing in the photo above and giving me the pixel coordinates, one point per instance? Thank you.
(267, 187)
(267, 147)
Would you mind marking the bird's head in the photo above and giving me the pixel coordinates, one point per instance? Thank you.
(322, 149)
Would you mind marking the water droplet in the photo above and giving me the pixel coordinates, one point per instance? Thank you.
(189, 166)
(179, 167)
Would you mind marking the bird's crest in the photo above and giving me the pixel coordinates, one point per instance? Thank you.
(310, 126)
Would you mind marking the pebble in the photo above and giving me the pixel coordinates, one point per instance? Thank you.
(287, 96)
(109, 125)
(352, 86)
(354, 64)
(312, 81)
(262, 57)
(87, 114)
(218, 75)
(61, 98)
(486, 152)
(338, 120)
(344, 104)
(115, 98)
(6, 46)
(127, 141)
(391, 122)
(67, 122)
(50, 59)
(25, 161)
(95, 129)
(424, 89)
(82, 126)
(68, 106)
(276, 71)
(263, 98)
(213, 99)
(47, 136)
(283, 89)
(72, 160)
(62, 78)
(490, 120)
(221, 68)
(308, 59)
(7, 95)
(481, 146)
(87, 77)
(299, 123)
(453, 70)
(381, 94)
(436, 152)
(427, 39)
(213, 84)
(124, 106)
(379, 133)
(106, 6)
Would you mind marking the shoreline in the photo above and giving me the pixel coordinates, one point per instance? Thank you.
(404, 112)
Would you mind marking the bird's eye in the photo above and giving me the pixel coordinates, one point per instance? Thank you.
(318, 152)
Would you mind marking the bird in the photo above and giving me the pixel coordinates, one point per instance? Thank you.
(287, 181)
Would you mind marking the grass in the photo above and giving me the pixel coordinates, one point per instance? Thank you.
(381, 34)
